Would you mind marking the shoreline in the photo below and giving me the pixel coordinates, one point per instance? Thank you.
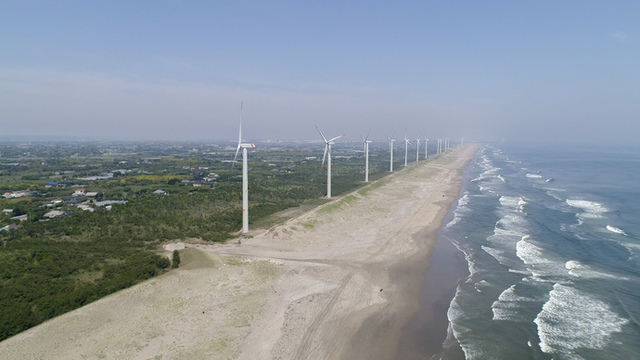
(341, 281)
(425, 334)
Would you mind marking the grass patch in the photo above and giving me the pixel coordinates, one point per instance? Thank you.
(309, 224)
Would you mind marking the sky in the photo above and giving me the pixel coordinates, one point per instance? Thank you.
(518, 71)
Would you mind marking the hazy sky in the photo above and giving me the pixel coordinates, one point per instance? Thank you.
(486, 70)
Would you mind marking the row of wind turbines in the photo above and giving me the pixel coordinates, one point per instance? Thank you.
(442, 145)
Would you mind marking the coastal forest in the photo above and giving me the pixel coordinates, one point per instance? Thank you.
(83, 220)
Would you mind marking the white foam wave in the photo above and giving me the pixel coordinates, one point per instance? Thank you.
(533, 176)
(529, 253)
(507, 305)
(464, 200)
(510, 201)
(497, 254)
(616, 230)
(480, 285)
(581, 270)
(591, 209)
(516, 203)
(562, 331)
(502, 178)
(550, 193)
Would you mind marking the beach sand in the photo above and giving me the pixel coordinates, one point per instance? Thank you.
(340, 281)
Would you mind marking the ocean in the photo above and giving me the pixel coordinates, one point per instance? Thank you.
(551, 238)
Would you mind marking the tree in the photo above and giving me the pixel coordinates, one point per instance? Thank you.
(176, 259)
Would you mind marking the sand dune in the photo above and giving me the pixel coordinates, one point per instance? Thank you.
(337, 282)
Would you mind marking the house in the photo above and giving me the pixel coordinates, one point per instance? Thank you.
(159, 192)
(10, 227)
(85, 207)
(110, 202)
(20, 217)
(72, 200)
(91, 194)
(79, 192)
(7, 211)
(56, 213)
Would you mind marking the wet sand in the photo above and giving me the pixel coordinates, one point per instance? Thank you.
(425, 333)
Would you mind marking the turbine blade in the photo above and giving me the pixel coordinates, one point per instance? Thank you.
(240, 128)
(326, 146)
(336, 138)
(321, 134)
(367, 137)
(235, 158)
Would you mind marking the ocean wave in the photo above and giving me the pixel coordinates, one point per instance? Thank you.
(562, 331)
(480, 285)
(591, 209)
(533, 176)
(550, 193)
(502, 178)
(509, 201)
(514, 202)
(507, 305)
(529, 253)
(497, 254)
(580, 270)
(464, 200)
(616, 230)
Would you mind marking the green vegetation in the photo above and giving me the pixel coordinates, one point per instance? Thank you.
(175, 259)
(53, 264)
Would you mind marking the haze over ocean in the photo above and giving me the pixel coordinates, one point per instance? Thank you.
(552, 242)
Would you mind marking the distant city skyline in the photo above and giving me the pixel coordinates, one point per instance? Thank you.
(162, 70)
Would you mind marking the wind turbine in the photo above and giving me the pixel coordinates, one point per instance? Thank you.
(245, 177)
(406, 148)
(417, 149)
(391, 140)
(426, 147)
(327, 149)
(366, 156)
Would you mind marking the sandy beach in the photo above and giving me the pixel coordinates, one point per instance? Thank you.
(338, 282)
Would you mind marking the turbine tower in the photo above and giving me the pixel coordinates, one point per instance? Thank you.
(245, 177)
(406, 148)
(426, 147)
(417, 149)
(366, 155)
(327, 150)
(391, 140)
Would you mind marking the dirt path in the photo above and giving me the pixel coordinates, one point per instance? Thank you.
(337, 282)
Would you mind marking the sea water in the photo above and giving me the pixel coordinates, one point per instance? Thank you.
(551, 236)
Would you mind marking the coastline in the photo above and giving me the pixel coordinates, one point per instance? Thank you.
(341, 281)
(425, 334)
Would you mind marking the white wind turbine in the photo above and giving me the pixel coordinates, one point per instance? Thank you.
(417, 149)
(366, 156)
(327, 150)
(391, 140)
(426, 148)
(406, 148)
(245, 178)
